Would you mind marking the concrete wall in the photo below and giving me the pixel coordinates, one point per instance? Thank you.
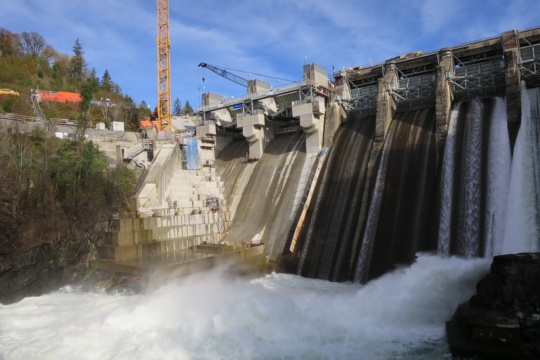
(152, 193)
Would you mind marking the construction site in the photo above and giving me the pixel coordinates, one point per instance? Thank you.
(236, 182)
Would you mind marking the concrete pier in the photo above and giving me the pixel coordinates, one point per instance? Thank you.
(312, 122)
(486, 68)
(265, 111)
(444, 97)
(253, 130)
(512, 74)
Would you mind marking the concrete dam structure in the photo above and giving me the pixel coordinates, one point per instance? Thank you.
(347, 180)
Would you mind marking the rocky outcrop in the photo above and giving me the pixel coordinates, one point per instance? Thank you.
(28, 273)
(42, 269)
(502, 320)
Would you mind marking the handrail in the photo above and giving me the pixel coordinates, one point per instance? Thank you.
(254, 96)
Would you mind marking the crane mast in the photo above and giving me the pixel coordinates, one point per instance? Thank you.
(164, 111)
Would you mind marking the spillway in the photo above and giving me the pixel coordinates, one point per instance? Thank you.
(263, 192)
(522, 226)
(479, 201)
(330, 236)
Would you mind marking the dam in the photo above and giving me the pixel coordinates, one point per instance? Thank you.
(348, 179)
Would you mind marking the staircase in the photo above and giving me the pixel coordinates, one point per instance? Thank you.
(192, 211)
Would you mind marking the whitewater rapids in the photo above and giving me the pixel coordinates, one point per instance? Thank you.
(280, 316)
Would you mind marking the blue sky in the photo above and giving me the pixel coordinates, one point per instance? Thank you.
(271, 37)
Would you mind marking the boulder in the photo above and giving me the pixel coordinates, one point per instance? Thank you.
(502, 320)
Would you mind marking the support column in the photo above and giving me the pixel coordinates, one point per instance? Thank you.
(312, 122)
(119, 155)
(253, 130)
(443, 99)
(513, 80)
(386, 106)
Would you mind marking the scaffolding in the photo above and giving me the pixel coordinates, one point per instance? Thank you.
(482, 79)
(529, 63)
(38, 113)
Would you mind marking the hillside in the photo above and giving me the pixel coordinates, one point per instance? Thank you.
(28, 63)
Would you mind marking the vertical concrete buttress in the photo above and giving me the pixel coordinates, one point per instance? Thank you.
(312, 113)
(443, 99)
(119, 154)
(510, 41)
(386, 106)
(253, 130)
(312, 122)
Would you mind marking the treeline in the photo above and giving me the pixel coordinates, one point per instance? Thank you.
(27, 63)
(55, 192)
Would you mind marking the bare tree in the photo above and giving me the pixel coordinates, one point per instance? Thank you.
(104, 105)
(116, 110)
(49, 54)
(10, 43)
(33, 43)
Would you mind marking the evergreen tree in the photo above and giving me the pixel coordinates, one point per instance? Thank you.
(188, 110)
(77, 62)
(93, 76)
(88, 89)
(106, 82)
(177, 110)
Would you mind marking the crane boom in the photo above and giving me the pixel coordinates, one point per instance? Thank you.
(164, 111)
(226, 74)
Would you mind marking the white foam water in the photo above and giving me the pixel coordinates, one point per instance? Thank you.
(281, 316)
(522, 230)
(499, 158)
(447, 184)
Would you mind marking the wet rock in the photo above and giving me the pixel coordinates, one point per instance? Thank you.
(502, 320)
(29, 273)
(113, 282)
(42, 269)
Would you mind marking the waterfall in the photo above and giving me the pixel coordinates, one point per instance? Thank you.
(498, 179)
(447, 184)
(366, 249)
(489, 201)
(317, 209)
(475, 179)
(469, 199)
(399, 222)
(328, 240)
(338, 214)
(263, 194)
(523, 214)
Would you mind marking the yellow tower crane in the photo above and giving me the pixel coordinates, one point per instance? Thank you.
(164, 61)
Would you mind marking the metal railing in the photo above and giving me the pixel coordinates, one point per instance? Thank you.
(259, 95)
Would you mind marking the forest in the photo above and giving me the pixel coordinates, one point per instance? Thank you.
(28, 63)
(56, 196)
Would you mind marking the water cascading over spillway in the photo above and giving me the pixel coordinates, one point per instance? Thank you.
(475, 179)
(522, 226)
(484, 201)
(399, 219)
(329, 237)
(340, 241)
(267, 198)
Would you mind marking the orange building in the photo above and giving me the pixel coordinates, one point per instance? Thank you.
(59, 96)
